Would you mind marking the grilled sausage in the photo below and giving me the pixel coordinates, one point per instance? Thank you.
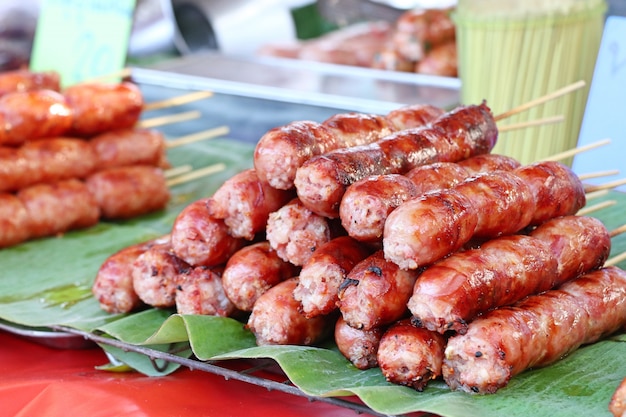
(155, 273)
(113, 285)
(466, 131)
(200, 239)
(502, 271)
(276, 319)
(112, 188)
(321, 276)
(251, 271)
(282, 150)
(59, 207)
(14, 221)
(425, 229)
(125, 147)
(536, 332)
(295, 232)
(102, 107)
(199, 290)
(375, 293)
(244, 203)
(357, 345)
(409, 355)
(32, 115)
(21, 80)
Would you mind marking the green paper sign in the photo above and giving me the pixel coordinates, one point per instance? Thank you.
(82, 39)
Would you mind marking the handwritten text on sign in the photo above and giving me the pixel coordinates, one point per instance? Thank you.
(82, 39)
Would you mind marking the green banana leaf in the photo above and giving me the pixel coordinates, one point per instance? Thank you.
(47, 283)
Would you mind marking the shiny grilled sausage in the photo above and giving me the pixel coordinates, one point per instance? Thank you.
(14, 221)
(244, 203)
(536, 332)
(367, 203)
(502, 271)
(21, 80)
(112, 188)
(375, 293)
(276, 319)
(409, 355)
(59, 207)
(425, 229)
(617, 405)
(251, 271)
(488, 162)
(29, 115)
(102, 107)
(466, 131)
(155, 275)
(282, 150)
(357, 345)
(45, 161)
(418, 30)
(295, 232)
(557, 189)
(113, 285)
(321, 276)
(200, 239)
(126, 147)
(199, 290)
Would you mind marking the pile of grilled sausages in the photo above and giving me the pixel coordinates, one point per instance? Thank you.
(403, 237)
(70, 158)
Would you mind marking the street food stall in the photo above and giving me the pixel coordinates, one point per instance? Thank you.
(277, 233)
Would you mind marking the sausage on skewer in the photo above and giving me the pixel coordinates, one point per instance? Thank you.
(200, 239)
(244, 203)
(464, 132)
(101, 107)
(375, 293)
(24, 80)
(409, 355)
(320, 278)
(536, 332)
(126, 192)
(425, 229)
(367, 203)
(502, 271)
(251, 271)
(282, 150)
(276, 319)
(113, 285)
(199, 290)
(357, 345)
(32, 115)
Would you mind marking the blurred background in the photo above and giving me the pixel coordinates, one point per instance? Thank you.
(303, 29)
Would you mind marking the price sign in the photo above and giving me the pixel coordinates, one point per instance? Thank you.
(605, 112)
(82, 39)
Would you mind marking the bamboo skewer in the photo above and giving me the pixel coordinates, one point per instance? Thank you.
(616, 259)
(532, 123)
(199, 136)
(123, 73)
(164, 120)
(596, 194)
(172, 172)
(178, 100)
(618, 231)
(202, 172)
(572, 152)
(590, 209)
(606, 186)
(555, 94)
(598, 174)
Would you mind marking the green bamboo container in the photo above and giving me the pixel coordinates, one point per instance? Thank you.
(512, 52)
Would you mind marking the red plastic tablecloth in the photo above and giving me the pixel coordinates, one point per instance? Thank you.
(37, 380)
